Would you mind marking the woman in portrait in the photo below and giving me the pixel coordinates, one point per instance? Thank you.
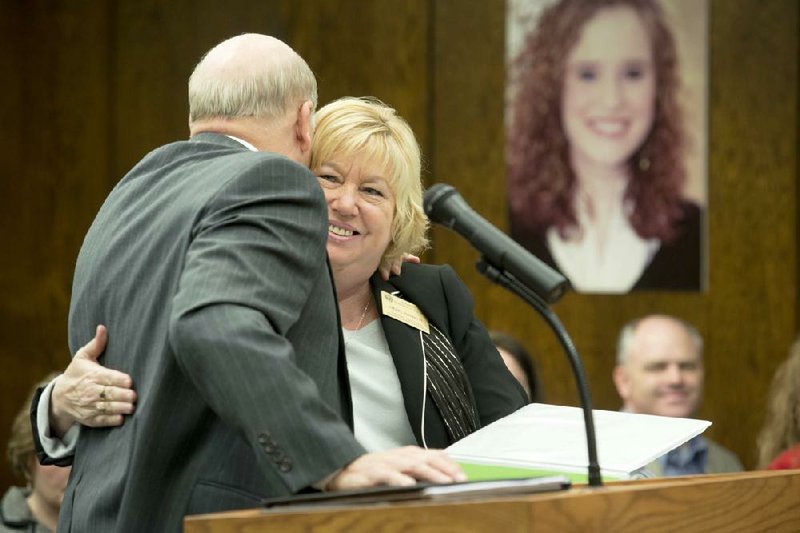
(595, 149)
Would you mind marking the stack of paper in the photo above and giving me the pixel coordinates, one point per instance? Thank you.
(543, 439)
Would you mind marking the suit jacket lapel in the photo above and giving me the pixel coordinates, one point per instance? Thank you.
(404, 345)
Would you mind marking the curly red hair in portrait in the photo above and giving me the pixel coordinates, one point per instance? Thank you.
(541, 183)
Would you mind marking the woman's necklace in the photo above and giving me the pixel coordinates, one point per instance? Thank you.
(363, 314)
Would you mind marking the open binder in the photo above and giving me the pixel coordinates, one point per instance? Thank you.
(543, 439)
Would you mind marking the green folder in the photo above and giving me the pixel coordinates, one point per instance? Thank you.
(480, 472)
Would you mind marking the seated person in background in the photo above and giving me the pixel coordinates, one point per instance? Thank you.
(779, 440)
(33, 508)
(422, 369)
(519, 362)
(660, 372)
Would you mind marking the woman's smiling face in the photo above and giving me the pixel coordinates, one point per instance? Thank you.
(361, 206)
(609, 90)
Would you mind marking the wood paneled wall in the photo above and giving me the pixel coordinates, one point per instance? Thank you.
(89, 87)
(748, 316)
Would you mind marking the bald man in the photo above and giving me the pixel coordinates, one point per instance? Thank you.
(207, 263)
(660, 372)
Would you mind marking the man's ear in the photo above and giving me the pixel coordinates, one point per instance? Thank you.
(303, 127)
(620, 377)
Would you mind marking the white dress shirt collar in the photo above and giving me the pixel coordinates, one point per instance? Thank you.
(243, 143)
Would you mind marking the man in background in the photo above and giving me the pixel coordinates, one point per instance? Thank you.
(660, 372)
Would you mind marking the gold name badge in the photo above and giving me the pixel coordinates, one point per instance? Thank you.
(404, 311)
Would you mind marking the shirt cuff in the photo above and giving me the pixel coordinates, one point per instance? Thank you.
(54, 447)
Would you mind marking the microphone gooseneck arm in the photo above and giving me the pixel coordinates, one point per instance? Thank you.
(505, 262)
(509, 282)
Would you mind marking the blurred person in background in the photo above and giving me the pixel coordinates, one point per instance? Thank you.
(34, 507)
(660, 372)
(520, 363)
(779, 440)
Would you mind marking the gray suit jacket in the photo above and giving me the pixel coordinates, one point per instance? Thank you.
(207, 263)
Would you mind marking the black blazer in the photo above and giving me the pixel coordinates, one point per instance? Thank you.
(447, 303)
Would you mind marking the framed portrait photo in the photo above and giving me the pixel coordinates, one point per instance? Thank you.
(606, 140)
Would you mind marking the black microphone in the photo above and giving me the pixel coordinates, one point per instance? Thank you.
(445, 206)
(509, 265)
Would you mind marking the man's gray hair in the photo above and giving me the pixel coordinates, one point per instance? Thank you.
(628, 330)
(258, 92)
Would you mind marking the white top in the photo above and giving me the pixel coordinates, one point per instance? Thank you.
(379, 414)
(613, 268)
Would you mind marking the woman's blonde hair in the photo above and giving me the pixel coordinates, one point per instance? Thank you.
(21, 450)
(372, 131)
(781, 428)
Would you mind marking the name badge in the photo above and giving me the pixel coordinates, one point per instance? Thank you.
(404, 311)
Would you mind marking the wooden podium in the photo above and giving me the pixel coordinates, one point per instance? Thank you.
(746, 502)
